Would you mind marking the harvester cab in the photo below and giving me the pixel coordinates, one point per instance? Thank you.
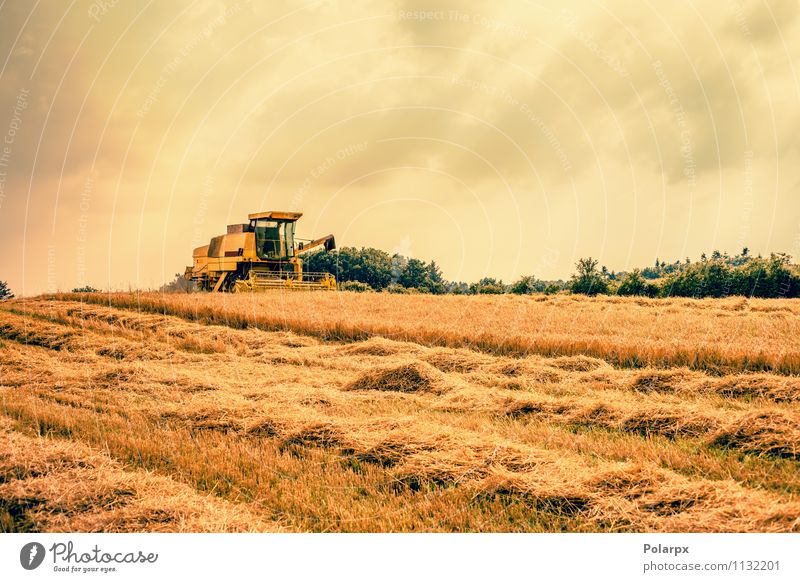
(258, 255)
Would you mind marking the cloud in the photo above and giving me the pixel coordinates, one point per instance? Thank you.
(519, 130)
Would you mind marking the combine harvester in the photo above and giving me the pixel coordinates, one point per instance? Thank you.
(259, 255)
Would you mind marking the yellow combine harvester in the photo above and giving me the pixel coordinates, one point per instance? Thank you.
(259, 255)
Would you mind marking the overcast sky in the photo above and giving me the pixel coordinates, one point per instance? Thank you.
(499, 139)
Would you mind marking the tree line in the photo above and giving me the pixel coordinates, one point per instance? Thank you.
(720, 275)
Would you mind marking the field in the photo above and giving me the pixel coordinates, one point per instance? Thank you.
(376, 412)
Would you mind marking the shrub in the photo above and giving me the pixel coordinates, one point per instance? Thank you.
(552, 289)
(487, 286)
(85, 289)
(356, 286)
(397, 289)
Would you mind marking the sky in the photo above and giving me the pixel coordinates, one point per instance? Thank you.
(500, 139)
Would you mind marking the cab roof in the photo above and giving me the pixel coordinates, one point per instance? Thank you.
(275, 215)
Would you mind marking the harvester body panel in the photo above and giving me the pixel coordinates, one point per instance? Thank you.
(259, 255)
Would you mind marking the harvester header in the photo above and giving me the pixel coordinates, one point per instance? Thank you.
(260, 254)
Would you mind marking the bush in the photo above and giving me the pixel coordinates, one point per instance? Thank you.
(85, 289)
(355, 286)
(487, 286)
(397, 289)
(552, 289)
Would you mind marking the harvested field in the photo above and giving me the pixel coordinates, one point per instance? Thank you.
(348, 412)
(718, 336)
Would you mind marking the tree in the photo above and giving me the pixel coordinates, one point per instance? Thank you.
(552, 288)
(367, 265)
(416, 275)
(457, 288)
(588, 280)
(437, 282)
(635, 284)
(524, 286)
(745, 252)
(5, 292)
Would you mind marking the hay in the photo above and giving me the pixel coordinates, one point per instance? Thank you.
(578, 363)
(343, 437)
(779, 389)
(666, 421)
(318, 434)
(459, 361)
(528, 371)
(409, 377)
(204, 420)
(379, 346)
(568, 501)
(661, 381)
(56, 486)
(774, 433)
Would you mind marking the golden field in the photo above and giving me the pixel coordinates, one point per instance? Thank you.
(376, 412)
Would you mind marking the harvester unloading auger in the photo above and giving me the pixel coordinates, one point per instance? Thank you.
(259, 255)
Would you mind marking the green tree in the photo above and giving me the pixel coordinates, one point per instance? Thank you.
(5, 292)
(525, 285)
(436, 282)
(635, 284)
(416, 275)
(366, 265)
(588, 280)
